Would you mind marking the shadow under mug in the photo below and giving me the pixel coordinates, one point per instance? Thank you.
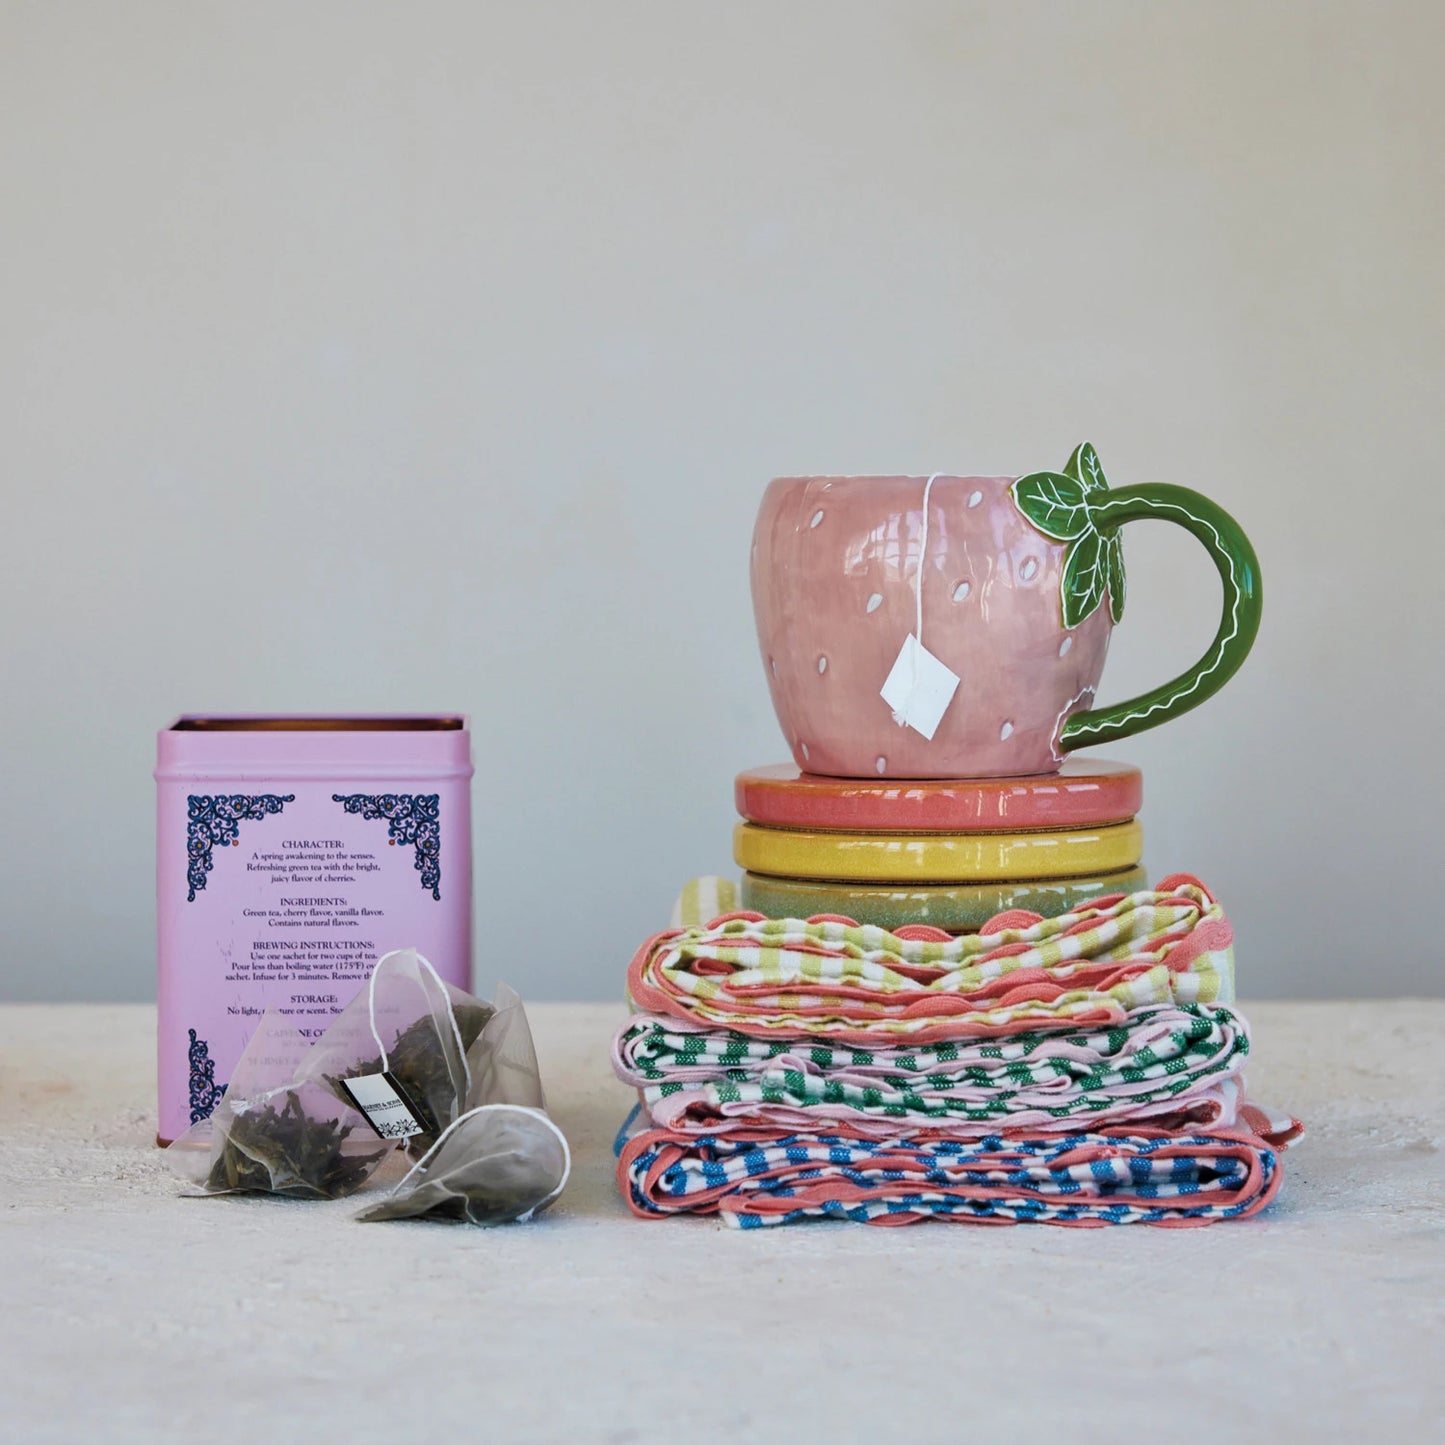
(1012, 583)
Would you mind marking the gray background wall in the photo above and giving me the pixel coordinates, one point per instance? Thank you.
(382, 356)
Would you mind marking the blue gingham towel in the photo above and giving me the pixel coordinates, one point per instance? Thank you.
(1124, 1175)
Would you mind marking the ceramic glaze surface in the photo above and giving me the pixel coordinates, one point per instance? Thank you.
(1085, 792)
(834, 568)
(1010, 585)
(937, 857)
(958, 908)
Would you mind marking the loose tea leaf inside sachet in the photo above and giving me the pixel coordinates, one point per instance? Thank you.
(420, 1066)
(408, 1024)
(287, 1151)
(273, 1134)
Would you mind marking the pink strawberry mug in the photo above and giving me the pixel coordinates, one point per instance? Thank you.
(1010, 585)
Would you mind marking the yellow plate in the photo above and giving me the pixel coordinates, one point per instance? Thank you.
(937, 857)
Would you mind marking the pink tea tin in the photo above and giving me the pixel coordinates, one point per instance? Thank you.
(291, 853)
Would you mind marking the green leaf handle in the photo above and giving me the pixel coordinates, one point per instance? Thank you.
(1239, 572)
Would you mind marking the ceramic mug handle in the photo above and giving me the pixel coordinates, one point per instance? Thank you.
(1238, 570)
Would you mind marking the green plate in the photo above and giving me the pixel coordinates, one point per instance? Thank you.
(958, 908)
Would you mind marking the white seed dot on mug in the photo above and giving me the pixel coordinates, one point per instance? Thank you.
(773, 663)
(881, 765)
(875, 602)
(817, 517)
(975, 498)
(822, 665)
(1065, 645)
(961, 591)
(1030, 569)
(803, 748)
(1005, 732)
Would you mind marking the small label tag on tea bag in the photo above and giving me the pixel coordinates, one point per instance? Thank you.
(384, 1105)
(919, 689)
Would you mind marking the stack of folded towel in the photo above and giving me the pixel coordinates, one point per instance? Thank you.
(1082, 1069)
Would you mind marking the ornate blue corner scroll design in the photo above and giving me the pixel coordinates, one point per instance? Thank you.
(205, 1091)
(215, 822)
(413, 818)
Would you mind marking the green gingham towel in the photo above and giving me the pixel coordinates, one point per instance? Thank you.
(1179, 1064)
(859, 984)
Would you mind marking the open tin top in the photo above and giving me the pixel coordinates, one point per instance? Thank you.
(295, 745)
(259, 723)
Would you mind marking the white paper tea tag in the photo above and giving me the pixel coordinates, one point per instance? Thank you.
(919, 689)
(384, 1105)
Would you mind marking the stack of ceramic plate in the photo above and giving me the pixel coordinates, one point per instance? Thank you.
(951, 853)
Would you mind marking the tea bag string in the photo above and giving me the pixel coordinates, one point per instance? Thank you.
(918, 576)
(451, 1014)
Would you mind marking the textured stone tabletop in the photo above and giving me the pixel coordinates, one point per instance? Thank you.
(130, 1313)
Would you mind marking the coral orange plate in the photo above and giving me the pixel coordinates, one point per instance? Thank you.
(1084, 793)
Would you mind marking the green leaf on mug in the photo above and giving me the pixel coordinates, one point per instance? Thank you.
(1054, 503)
(1086, 577)
(1086, 467)
(1066, 506)
(1114, 567)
